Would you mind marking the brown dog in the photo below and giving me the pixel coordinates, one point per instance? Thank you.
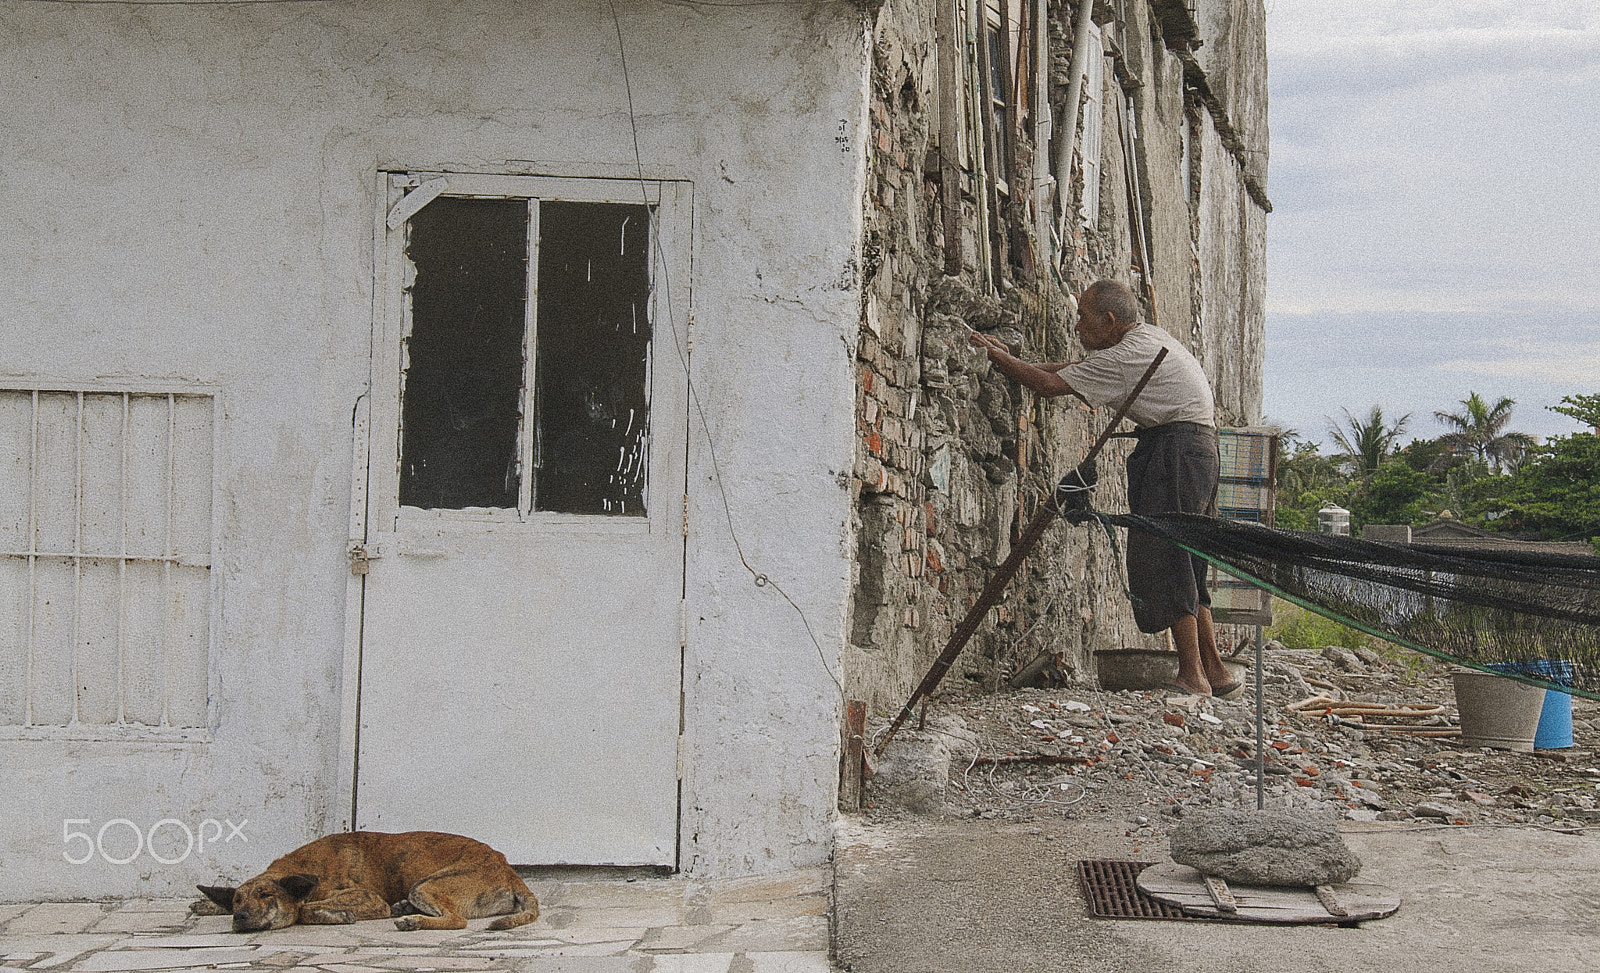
(444, 879)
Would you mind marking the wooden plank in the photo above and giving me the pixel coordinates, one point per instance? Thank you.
(851, 773)
(1220, 895)
(1187, 889)
(1330, 900)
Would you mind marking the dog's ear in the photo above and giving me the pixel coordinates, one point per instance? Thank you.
(221, 895)
(298, 886)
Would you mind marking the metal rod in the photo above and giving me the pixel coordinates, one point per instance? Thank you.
(1002, 576)
(1261, 758)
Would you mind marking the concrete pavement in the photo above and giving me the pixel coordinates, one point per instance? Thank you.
(914, 895)
(960, 896)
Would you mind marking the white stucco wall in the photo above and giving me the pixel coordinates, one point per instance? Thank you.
(190, 198)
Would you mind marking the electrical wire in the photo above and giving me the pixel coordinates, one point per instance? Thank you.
(760, 579)
(1033, 790)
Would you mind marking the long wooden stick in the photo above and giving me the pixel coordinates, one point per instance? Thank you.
(997, 584)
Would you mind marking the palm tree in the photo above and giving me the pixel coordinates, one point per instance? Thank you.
(1478, 429)
(1367, 443)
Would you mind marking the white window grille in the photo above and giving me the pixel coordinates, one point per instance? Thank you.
(1094, 81)
(999, 95)
(105, 562)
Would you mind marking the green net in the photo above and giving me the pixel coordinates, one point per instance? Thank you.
(1530, 615)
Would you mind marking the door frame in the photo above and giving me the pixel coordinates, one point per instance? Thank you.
(679, 304)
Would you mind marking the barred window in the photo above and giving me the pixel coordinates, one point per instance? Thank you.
(105, 562)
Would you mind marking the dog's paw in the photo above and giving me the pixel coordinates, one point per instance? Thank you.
(329, 917)
(401, 908)
(206, 907)
(406, 923)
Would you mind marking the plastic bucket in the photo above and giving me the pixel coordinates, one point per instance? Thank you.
(1121, 669)
(1555, 721)
(1496, 711)
(1555, 714)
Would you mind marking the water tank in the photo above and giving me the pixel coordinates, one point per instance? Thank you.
(1333, 520)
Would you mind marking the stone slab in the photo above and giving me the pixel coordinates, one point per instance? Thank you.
(803, 934)
(434, 961)
(789, 908)
(680, 938)
(579, 964)
(129, 960)
(55, 918)
(57, 950)
(692, 963)
(762, 887)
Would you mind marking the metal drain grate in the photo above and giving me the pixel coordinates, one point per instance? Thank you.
(1111, 891)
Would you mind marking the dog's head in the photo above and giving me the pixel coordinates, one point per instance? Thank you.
(263, 903)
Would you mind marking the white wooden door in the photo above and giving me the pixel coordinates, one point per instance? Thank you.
(521, 660)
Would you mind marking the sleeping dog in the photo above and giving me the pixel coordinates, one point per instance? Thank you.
(427, 879)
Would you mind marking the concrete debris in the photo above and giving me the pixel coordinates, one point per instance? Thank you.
(914, 772)
(1264, 848)
(1343, 658)
(1080, 752)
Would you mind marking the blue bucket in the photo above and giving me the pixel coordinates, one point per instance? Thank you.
(1555, 722)
(1555, 717)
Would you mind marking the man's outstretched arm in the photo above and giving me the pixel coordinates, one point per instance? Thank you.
(1042, 379)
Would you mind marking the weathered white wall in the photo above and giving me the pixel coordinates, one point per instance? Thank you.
(190, 199)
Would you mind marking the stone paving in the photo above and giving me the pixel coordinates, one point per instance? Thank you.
(764, 924)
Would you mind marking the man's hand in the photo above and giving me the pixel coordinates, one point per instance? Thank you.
(1044, 380)
(989, 343)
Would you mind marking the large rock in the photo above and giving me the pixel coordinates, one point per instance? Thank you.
(1265, 848)
(913, 772)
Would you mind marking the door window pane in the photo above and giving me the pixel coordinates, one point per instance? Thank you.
(593, 355)
(464, 354)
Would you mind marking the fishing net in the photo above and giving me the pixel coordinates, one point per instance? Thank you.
(1532, 616)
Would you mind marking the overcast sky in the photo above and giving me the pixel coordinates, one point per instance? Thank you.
(1435, 180)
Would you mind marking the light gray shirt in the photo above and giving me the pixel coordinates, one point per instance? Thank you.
(1178, 392)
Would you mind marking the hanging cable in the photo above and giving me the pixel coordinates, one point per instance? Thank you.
(760, 579)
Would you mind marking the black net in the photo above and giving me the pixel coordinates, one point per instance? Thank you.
(1531, 615)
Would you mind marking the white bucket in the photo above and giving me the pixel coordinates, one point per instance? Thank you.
(1496, 711)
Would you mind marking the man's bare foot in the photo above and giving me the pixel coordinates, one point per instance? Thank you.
(1219, 678)
(1189, 687)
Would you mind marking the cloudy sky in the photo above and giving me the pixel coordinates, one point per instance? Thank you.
(1435, 179)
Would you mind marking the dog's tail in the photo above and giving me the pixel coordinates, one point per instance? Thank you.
(527, 910)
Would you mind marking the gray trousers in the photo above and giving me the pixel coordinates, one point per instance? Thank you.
(1172, 470)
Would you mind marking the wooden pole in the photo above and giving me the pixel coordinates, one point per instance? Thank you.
(997, 584)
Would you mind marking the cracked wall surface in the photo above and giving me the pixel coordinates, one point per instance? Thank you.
(194, 192)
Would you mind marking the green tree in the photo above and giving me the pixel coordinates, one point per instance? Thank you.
(1584, 408)
(1366, 442)
(1394, 494)
(1555, 492)
(1479, 430)
(1306, 482)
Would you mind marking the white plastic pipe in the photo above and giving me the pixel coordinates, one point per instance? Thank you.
(1068, 132)
(1041, 133)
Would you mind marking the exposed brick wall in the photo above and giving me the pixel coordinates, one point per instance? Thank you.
(953, 459)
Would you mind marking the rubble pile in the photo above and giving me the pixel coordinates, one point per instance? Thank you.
(1149, 757)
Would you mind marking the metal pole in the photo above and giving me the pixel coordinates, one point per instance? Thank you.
(1261, 757)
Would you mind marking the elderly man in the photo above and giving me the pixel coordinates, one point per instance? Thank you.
(1172, 470)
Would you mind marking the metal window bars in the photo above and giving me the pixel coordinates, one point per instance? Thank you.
(106, 538)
